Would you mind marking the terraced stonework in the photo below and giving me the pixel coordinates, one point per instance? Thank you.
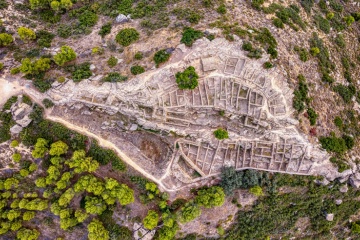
(168, 132)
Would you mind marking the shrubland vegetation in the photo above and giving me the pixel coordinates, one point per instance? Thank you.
(188, 79)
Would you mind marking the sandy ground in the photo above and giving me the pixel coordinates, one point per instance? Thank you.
(8, 89)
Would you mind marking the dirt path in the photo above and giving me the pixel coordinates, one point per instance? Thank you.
(8, 89)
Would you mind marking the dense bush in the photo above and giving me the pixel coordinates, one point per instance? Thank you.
(64, 31)
(47, 103)
(44, 38)
(340, 164)
(333, 144)
(137, 69)
(5, 39)
(188, 79)
(127, 36)
(303, 53)
(301, 94)
(190, 35)
(312, 115)
(105, 30)
(278, 23)
(221, 134)
(161, 57)
(138, 56)
(322, 23)
(88, 18)
(3, 4)
(80, 72)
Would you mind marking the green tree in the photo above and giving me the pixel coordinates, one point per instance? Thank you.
(16, 157)
(349, 20)
(40, 182)
(55, 5)
(65, 55)
(26, 34)
(58, 148)
(66, 4)
(94, 205)
(189, 212)
(151, 220)
(81, 163)
(127, 36)
(188, 79)
(11, 182)
(66, 197)
(221, 134)
(12, 214)
(14, 144)
(40, 148)
(97, 231)
(28, 215)
(105, 29)
(5, 39)
(210, 197)
(27, 234)
(34, 67)
(81, 215)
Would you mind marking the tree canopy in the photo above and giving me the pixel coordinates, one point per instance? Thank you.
(210, 197)
(97, 231)
(188, 79)
(151, 220)
(65, 55)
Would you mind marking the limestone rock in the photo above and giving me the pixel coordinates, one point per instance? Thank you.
(16, 129)
(344, 188)
(92, 67)
(338, 201)
(133, 127)
(355, 180)
(330, 217)
(121, 18)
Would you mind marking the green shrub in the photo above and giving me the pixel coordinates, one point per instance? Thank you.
(314, 51)
(221, 133)
(138, 56)
(340, 164)
(307, 5)
(127, 36)
(327, 78)
(257, 4)
(339, 40)
(161, 57)
(190, 35)
(322, 23)
(47, 103)
(268, 65)
(105, 30)
(349, 20)
(80, 72)
(1, 66)
(3, 4)
(88, 18)
(312, 115)
(221, 9)
(188, 79)
(301, 95)
(346, 92)
(338, 122)
(278, 23)
(112, 61)
(27, 100)
(44, 38)
(64, 31)
(137, 69)
(114, 77)
(303, 53)
(330, 15)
